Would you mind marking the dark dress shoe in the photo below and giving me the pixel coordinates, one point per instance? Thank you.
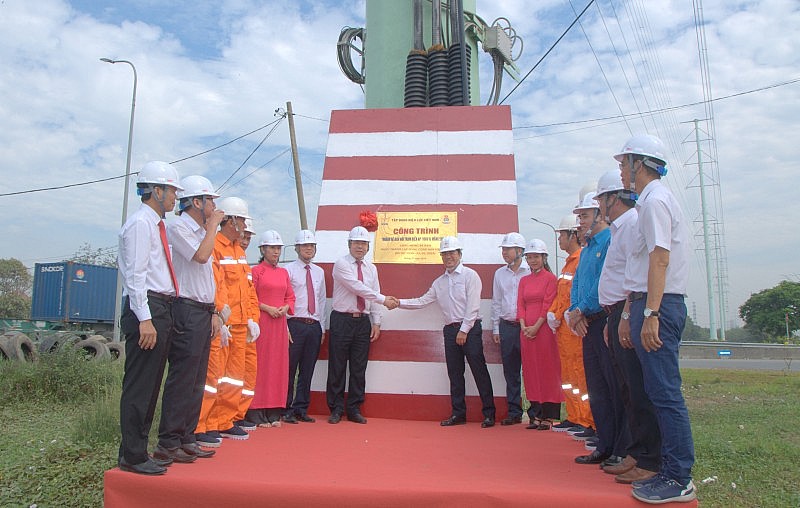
(454, 420)
(593, 458)
(357, 418)
(194, 449)
(335, 418)
(305, 418)
(148, 467)
(165, 462)
(289, 419)
(174, 454)
(487, 422)
(511, 420)
(614, 460)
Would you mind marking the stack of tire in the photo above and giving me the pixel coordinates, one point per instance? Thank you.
(17, 346)
(94, 347)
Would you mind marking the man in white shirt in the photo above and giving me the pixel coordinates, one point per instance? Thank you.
(195, 320)
(643, 453)
(355, 323)
(305, 326)
(505, 325)
(149, 289)
(458, 293)
(656, 278)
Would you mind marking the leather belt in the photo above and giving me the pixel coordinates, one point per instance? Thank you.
(610, 309)
(510, 323)
(457, 324)
(208, 307)
(595, 316)
(304, 320)
(636, 295)
(160, 296)
(354, 315)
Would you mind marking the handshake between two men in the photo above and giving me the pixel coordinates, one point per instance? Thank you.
(391, 302)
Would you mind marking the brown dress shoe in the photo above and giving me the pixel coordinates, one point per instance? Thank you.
(176, 454)
(634, 474)
(194, 449)
(626, 465)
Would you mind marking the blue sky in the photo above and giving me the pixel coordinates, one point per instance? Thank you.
(212, 71)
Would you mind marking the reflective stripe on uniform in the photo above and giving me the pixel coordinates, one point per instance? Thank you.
(210, 389)
(566, 386)
(585, 396)
(230, 380)
(228, 262)
(249, 393)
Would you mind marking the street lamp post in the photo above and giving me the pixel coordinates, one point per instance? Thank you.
(555, 232)
(118, 301)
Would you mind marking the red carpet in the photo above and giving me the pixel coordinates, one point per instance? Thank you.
(384, 463)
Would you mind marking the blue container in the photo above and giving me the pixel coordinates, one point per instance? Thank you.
(73, 293)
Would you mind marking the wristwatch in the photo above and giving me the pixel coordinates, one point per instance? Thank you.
(625, 315)
(650, 312)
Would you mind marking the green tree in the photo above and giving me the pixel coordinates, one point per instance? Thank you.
(15, 286)
(766, 311)
(693, 332)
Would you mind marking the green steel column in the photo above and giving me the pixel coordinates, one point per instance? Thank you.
(389, 38)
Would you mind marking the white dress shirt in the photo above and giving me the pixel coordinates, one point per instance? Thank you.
(196, 280)
(346, 287)
(611, 288)
(297, 275)
(458, 294)
(504, 294)
(661, 224)
(141, 260)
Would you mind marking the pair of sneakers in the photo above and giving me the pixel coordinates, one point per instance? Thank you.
(661, 489)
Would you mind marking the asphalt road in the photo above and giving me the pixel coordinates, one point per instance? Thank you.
(729, 363)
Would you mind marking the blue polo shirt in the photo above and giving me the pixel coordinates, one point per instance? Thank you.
(587, 277)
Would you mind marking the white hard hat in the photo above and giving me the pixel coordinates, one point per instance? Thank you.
(271, 237)
(513, 240)
(643, 144)
(159, 173)
(196, 186)
(249, 227)
(359, 233)
(449, 243)
(235, 207)
(568, 222)
(304, 236)
(609, 182)
(587, 187)
(536, 246)
(587, 203)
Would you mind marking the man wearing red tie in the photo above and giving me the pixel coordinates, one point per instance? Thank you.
(305, 326)
(355, 323)
(149, 289)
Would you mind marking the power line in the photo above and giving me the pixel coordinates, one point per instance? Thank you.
(547, 52)
(63, 186)
(277, 122)
(662, 110)
(226, 143)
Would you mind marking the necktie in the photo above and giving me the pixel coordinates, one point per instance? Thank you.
(163, 230)
(360, 300)
(312, 303)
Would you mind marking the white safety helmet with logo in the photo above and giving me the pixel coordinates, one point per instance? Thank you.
(304, 237)
(271, 237)
(568, 222)
(609, 182)
(536, 246)
(234, 207)
(513, 240)
(587, 203)
(194, 186)
(249, 227)
(157, 173)
(449, 243)
(359, 234)
(651, 148)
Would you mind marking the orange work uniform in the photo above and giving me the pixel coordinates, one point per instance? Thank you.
(226, 365)
(570, 348)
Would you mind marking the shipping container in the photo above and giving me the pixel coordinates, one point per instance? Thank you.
(73, 293)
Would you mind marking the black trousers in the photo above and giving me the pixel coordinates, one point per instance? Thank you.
(141, 383)
(186, 376)
(303, 354)
(645, 443)
(604, 394)
(348, 344)
(454, 356)
(512, 363)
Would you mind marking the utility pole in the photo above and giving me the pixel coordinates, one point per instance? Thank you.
(301, 202)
